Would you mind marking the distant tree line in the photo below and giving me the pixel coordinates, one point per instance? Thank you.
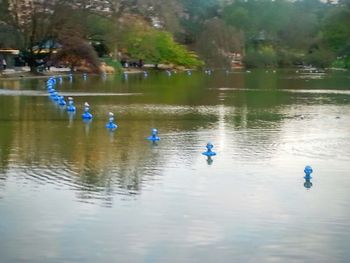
(266, 33)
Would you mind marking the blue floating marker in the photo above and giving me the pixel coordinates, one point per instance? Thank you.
(71, 107)
(51, 90)
(308, 171)
(61, 101)
(209, 151)
(154, 135)
(86, 115)
(54, 96)
(51, 81)
(111, 125)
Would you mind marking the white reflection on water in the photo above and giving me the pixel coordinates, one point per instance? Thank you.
(310, 91)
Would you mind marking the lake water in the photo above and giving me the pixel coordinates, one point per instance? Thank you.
(74, 192)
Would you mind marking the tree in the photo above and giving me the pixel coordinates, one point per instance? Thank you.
(224, 40)
(37, 22)
(336, 31)
(144, 42)
(76, 51)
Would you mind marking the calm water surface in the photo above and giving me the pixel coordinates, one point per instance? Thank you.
(73, 192)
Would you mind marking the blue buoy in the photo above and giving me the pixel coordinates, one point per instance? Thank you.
(308, 171)
(111, 125)
(51, 90)
(51, 81)
(71, 107)
(86, 115)
(154, 135)
(209, 151)
(55, 96)
(61, 101)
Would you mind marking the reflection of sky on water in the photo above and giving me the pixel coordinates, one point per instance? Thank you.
(67, 195)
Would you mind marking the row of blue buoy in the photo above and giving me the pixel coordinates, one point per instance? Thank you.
(111, 125)
(86, 116)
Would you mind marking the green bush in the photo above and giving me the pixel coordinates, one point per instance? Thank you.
(261, 58)
(288, 58)
(156, 46)
(343, 62)
(319, 58)
(112, 62)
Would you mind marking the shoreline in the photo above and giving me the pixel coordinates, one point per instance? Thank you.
(28, 75)
(18, 75)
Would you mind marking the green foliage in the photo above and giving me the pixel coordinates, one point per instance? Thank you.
(336, 31)
(112, 62)
(156, 46)
(256, 16)
(263, 57)
(288, 58)
(225, 41)
(342, 62)
(287, 26)
(270, 32)
(319, 58)
(102, 32)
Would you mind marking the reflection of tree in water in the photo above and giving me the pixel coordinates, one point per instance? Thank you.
(257, 129)
(6, 138)
(92, 185)
(98, 167)
(95, 166)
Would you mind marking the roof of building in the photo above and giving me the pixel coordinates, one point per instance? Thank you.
(9, 51)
